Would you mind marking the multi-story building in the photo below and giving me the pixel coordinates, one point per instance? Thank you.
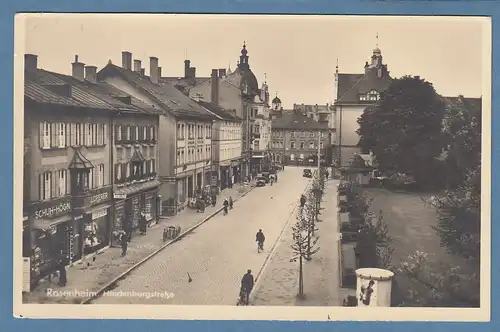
(134, 152)
(320, 113)
(67, 182)
(261, 132)
(238, 91)
(353, 93)
(184, 134)
(295, 138)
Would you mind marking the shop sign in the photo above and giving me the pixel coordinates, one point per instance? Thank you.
(51, 209)
(119, 196)
(168, 179)
(101, 195)
(99, 214)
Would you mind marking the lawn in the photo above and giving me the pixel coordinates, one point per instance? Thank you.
(410, 222)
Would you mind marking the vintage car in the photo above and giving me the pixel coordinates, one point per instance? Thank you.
(307, 173)
(261, 181)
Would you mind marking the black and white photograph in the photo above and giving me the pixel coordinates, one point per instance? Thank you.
(263, 167)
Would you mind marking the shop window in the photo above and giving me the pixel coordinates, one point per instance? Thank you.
(96, 233)
(45, 186)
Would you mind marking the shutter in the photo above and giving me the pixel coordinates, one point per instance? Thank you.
(68, 182)
(41, 134)
(154, 133)
(147, 133)
(117, 172)
(103, 138)
(40, 186)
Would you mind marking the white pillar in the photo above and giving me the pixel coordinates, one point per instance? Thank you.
(373, 287)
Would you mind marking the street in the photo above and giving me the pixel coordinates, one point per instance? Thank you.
(217, 254)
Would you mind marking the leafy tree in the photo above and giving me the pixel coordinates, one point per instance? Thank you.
(404, 128)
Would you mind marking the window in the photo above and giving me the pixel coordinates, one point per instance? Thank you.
(152, 166)
(92, 181)
(207, 132)
(153, 133)
(61, 139)
(301, 145)
(61, 183)
(311, 134)
(311, 145)
(292, 134)
(45, 186)
(321, 145)
(45, 134)
(127, 170)
(183, 131)
(118, 173)
(179, 131)
(292, 145)
(127, 133)
(178, 157)
(101, 133)
(118, 134)
(134, 132)
(100, 178)
(183, 159)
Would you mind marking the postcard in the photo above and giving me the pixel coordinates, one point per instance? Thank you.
(274, 167)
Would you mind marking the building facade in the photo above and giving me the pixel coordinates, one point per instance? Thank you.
(68, 177)
(353, 93)
(261, 132)
(295, 139)
(184, 130)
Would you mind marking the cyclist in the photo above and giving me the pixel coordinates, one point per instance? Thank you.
(247, 283)
(260, 238)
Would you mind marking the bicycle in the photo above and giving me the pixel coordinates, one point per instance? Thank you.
(260, 246)
(242, 298)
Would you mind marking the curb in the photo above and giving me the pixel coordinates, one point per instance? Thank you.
(275, 245)
(154, 253)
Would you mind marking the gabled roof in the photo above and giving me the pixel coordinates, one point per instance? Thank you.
(170, 98)
(110, 94)
(350, 86)
(297, 121)
(219, 111)
(38, 85)
(79, 161)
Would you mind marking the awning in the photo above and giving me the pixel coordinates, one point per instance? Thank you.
(258, 156)
(45, 224)
(135, 188)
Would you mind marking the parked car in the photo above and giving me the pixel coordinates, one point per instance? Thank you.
(266, 176)
(261, 181)
(307, 173)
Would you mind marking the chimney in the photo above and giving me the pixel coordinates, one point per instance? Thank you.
(222, 73)
(153, 69)
(137, 66)
(127, 60)
(91, 74)
(214, 82)
(78, 69)
(159, 72)
(187, 66)
(143, 72)
(192, 72)
(30, 62)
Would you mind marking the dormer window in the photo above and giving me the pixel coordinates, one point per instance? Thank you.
(370, 96)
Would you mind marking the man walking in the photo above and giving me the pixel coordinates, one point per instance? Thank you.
(247, 284)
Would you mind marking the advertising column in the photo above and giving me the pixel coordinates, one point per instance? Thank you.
(373, 287)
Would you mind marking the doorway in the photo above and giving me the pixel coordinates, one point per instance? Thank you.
(190, 186)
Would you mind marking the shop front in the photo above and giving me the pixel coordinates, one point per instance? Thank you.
(96, 221)
(133, 200)
(207, 175)
(224, 175)
(50, 237)
(235, 171)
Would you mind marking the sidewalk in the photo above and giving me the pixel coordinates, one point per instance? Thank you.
(279, 283)
(89, 276)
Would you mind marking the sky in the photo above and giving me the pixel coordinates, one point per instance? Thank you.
(297, 55)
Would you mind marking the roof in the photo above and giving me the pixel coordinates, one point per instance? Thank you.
(219, 111)
(111, 95)
(297, 120)
(350, 86)
(170, 98)
(184, 83)
(40, 86)
(79, 161)
(276, 100)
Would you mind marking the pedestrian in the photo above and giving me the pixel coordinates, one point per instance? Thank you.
(302, 200)
(225, 205)
(63, 279)
(326, 174)
(247, 284)
(214, 199)
(128, 230)
(231, 202)
(124, 243)
(142, 223)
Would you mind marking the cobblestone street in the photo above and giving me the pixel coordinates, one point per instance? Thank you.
(218, 253)
(279, 283)
(89, 276)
